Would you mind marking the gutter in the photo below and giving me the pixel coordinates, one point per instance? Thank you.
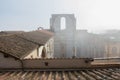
(22, 65)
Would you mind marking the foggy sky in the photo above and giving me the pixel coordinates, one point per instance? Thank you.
(30, 14)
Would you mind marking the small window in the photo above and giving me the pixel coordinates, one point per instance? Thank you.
(6, 56)
(46, 63)
(31, 56)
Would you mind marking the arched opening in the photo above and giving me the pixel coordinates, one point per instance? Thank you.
(43, 55)
(63, 23)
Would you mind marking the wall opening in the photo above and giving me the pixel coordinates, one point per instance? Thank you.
(63, 23)
(46, 63)
(43, 55)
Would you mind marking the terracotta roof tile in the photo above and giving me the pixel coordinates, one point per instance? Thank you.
(39, 36)
(92, 74)
(23, 43)
(15, 46)
(10, 32)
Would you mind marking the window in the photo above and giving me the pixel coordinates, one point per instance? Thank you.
(63, 23)
(6, 56)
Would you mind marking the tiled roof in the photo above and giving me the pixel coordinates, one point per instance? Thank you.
(18, 45)
(39, 36)
(2, 33)
(10, 32)
(15, 46)
(91, 74)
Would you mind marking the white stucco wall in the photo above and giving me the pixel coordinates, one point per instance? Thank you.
(33, 54)
(49, 48)
(40, 51)
(56, 63)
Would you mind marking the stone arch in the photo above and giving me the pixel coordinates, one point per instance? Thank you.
(43, 55)
(55, 21)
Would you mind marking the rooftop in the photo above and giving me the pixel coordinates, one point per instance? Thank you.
(91, 74)
(39, 36)
(18, 43)
(15, 46)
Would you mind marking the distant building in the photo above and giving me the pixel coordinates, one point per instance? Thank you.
(112, 43)
(60, 42)
(70, 42)
(33, 50)
(63, 38)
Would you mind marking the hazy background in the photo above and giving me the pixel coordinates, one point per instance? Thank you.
(30, 14)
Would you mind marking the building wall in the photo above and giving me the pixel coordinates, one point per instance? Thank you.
(40, 51)
(47, 50)
(9, 62)
(64, 44)
(49, 46)
(63, 39)
(33, 54)
(112, 49)
(70, 42)
(56, 63)
(89, 45)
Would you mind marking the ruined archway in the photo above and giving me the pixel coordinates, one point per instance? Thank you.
(64, 28)
(69, 21)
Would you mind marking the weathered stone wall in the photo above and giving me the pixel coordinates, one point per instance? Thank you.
(89, 45)
(71, 42)
(9, 62)
(63, 39)
(56, 63)
(112, 49)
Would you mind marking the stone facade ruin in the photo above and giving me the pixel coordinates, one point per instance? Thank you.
(70, 42)
(63, 38)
